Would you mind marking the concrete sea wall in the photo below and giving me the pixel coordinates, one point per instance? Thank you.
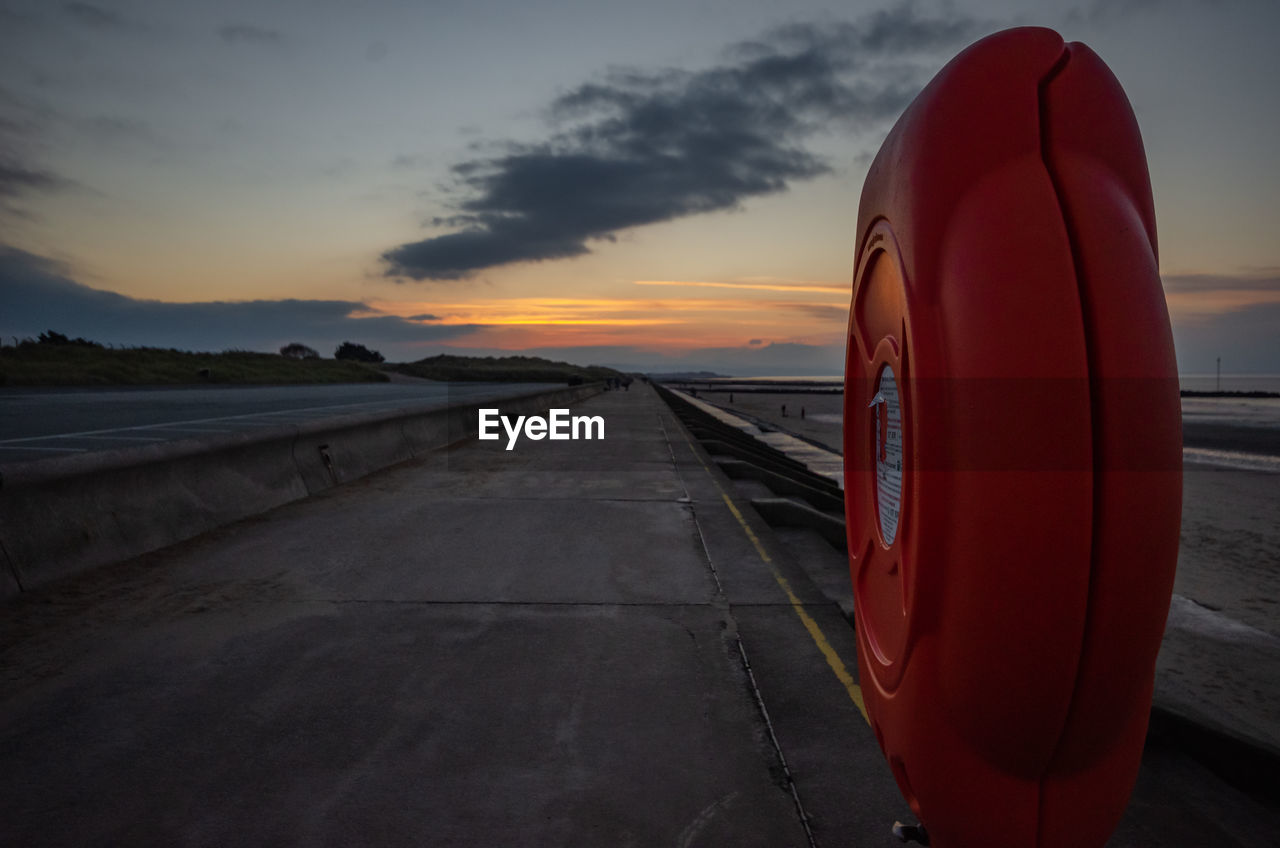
(64, 515)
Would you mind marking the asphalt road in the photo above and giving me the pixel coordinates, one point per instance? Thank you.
(38, 423)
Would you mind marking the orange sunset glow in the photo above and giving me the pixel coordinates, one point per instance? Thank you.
(169, 176)
(667, 323)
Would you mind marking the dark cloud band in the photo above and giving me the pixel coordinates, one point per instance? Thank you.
(94, 16)
(1208, 283)
(36, 295)
(641, 147)
(16, 179)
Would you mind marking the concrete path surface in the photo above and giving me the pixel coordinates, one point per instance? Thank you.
(569, 643)
(488, 648)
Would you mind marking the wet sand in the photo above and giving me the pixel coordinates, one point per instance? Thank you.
(1230, 437)
(1229, 561)
(1219, 663)
(822, 413)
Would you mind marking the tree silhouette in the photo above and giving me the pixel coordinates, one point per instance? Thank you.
(357, 352)
(53, 337)
(297, 350)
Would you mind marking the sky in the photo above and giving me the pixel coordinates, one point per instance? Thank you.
(663, 186)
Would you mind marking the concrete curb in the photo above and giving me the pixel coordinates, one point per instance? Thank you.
(781, 484)
(65, 515)
(1244, 763)
(784, 512)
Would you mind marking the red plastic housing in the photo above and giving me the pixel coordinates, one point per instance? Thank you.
(1010, 610)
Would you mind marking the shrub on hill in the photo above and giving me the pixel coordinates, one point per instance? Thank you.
(505, 369)
(52, 337)
(357, 353)
(297, 350)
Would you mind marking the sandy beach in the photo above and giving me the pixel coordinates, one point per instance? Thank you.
(812, 415)
(1229, 561)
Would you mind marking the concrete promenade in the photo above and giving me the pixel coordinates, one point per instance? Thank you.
(570, 643)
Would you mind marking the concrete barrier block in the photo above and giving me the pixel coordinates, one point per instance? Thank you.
(335, 451)
(428, 433)
(782, 484)
(66, 517)
(781, 512)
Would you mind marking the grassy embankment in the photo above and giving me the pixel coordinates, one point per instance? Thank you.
(88, 364)
(503, 369)
(32, 364)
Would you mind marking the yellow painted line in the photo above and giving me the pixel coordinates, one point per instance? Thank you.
(764, 555)
(837, 665)
(833, 659)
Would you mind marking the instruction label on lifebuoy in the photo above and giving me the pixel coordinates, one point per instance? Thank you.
(888, 432)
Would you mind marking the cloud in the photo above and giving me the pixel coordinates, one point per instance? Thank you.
(1204, 283)
(768, 360)
(408, 161)
(1191, 297)
(776, 285)
(17, 178)
(821, 311)
(121, 135)
(22, 127)
(1108, 12)
(249, 34)
(641, 147)
(1223, 315)
(1246, 340)
(95, 17)
(36, 294)
(755, 342)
